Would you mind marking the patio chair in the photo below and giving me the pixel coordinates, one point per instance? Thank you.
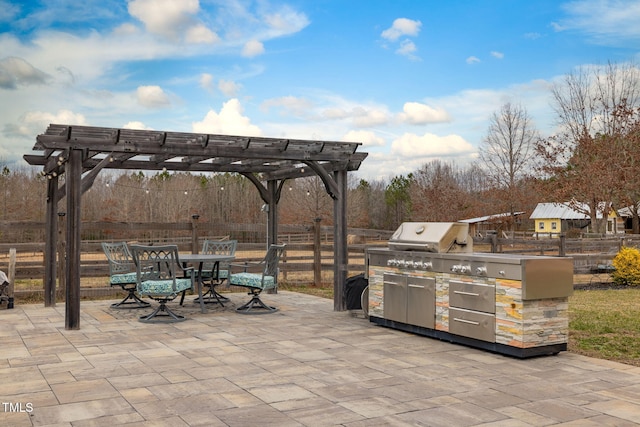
(215, 274)
(257, 277)
(4, 285)
(159, 275)
(122, 272)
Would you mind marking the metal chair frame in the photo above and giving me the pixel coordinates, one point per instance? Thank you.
(265, 278)
(212, 272)
(122, 272)
(160, 276)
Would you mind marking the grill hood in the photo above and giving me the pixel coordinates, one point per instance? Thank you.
(440, 237)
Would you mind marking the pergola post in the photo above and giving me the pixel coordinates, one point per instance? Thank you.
(51, 232)
(272, 213)
(74, 196)
(340, 254)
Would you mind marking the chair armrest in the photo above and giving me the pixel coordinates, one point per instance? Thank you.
(245, 267)
(187, 271)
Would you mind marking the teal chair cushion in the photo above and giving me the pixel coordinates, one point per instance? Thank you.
(123, 278)
(163, 287)
(222, 274)
(252, 280)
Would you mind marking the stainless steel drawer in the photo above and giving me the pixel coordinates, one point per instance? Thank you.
(472, 296)
(421, 301)
(395, 297)
(472, 324)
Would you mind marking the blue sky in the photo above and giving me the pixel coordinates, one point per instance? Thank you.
(412, 80)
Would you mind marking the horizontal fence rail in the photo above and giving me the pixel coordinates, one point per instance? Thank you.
(189, 236)
(589, 254)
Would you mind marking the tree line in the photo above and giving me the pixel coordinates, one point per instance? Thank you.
(591, 160)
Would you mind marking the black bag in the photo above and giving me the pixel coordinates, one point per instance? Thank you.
(354, 286)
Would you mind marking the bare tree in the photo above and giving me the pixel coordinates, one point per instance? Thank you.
(304, 200)
(627, 150)
(582, 161)
(443, 192)
(506, 153)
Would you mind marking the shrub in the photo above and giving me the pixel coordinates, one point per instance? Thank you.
(627, 267)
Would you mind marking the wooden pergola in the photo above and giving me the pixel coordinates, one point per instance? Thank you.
(81, 152)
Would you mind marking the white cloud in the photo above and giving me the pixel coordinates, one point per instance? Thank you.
(8, 11)
(136, 125)
(206, 82)
(16, 72)
(125, 29)
(172, 20)
(286, 20)
(407, 48)
(252, 48)
(152, 97)
(229, 121)
(35, 122)
(334, 113)
(605, 21)
(367, 138)
(201, 34)
(163, 17)
(402, 27)
(473, 60)
(429, 145)
(229, 88)
(368, 117)
(416, 113)
(497, 55)
(291, 105)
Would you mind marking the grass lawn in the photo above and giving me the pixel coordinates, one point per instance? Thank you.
(606, 324)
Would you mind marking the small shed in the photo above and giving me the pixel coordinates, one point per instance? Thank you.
(551, 219)
(482, 225)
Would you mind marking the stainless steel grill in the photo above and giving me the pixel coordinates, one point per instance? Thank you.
(430, 281)
(440, 237)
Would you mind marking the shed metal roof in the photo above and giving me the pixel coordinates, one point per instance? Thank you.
(490, 217)
(557, 211)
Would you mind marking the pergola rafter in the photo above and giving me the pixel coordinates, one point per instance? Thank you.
(81, 152)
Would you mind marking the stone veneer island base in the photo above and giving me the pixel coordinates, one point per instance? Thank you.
(509, 304)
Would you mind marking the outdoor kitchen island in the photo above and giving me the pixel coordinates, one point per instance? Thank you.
(511, 304)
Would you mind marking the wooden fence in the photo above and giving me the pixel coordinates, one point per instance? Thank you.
(301, 255)
(309, 248)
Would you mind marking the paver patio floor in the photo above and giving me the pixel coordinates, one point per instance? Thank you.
(304, 365)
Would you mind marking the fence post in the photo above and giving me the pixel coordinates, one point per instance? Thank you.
(317, 253)
(494, 243)
(194, 233)
(11, 276)
(562, 250)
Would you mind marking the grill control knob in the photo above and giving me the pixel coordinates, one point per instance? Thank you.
(481, 271)
(461, 268)
(427, 265)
